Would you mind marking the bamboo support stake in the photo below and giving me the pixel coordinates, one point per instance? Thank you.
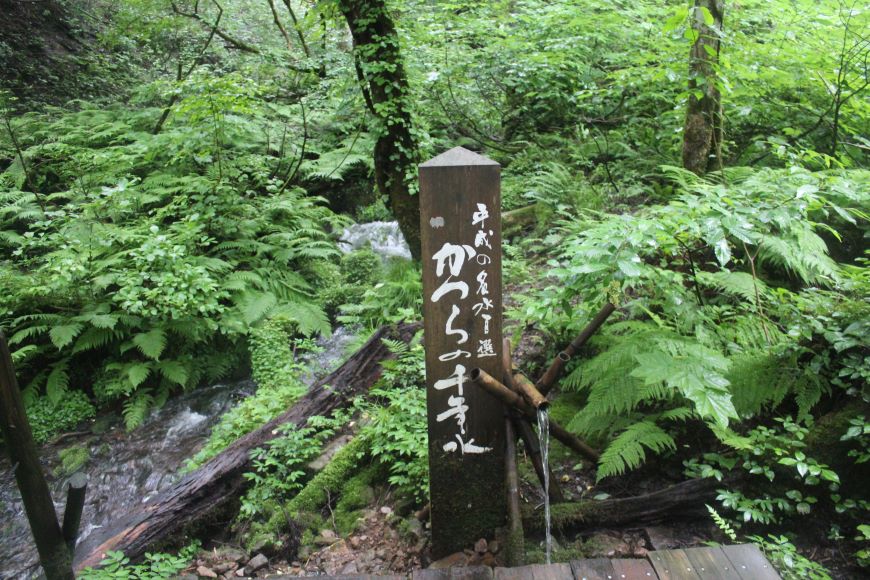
(546, 382)
(516, 541)
(510, 398)
(53, 553)
(525, 431)
(72, 513)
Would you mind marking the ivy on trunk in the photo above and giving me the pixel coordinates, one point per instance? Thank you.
(385, 86)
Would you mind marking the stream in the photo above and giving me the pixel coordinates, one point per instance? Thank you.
(126, 468)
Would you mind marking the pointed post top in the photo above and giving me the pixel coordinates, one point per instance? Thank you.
(458, 156)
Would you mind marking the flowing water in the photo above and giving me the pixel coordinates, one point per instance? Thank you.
(544, 436)
(385, 239)
(126, 468)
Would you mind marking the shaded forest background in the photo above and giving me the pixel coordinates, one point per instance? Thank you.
(174, 176)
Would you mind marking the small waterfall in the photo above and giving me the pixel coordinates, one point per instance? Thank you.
(385, 239)
(544, 436)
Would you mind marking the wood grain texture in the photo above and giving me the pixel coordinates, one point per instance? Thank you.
(462, 270)
(454, 573)
(633, 569)
(711, 563)
(673, 565)
(536, 572)
(750, 563)
(592, 569)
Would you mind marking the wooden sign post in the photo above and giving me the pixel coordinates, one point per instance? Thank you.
(460, 212)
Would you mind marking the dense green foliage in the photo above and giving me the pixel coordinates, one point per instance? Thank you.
(176, 223)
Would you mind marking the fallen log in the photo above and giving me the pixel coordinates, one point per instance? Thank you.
(219, 480)
(682, 500)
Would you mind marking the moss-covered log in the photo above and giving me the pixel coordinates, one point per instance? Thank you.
(221, 479)
(686, 499)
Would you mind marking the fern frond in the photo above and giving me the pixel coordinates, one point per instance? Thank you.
(628, 450)
(151, 343)
(136, 408)
(57, 383)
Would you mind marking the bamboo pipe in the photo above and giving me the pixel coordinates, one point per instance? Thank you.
(524, 428)
(510, 398)
(527, 389)
(546, 382)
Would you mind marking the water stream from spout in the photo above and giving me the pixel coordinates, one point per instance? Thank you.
(544, 436)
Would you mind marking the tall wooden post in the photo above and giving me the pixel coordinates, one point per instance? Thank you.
(53, 552)
(460, 212)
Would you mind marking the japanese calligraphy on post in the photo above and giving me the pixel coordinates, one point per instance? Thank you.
(461, 231)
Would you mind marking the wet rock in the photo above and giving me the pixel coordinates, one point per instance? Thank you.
(256, 563)
(204, 572)
(457, 559)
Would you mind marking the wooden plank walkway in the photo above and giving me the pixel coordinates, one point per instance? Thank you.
(740, 562)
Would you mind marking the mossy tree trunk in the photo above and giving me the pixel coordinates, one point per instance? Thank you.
(385, 86)
(703, 132)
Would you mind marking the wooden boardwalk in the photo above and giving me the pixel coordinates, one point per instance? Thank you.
(740, 562)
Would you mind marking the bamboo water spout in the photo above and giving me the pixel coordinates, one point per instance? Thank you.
(524, 429)
(546, 382)
(511, 399)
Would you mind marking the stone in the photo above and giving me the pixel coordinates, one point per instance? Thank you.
(230, 553)
(349, 568)
(456, 559)
(662, 538)
(240, 572)
(494, 546)
(328, 534)
(204, 572)
(256, 563)
(386, 510)
(480, 546)
(609, 546)
(354, 542)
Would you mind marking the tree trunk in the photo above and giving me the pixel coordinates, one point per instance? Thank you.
(386, 87)
(703, 132)
(682, 500)
(219, 480)
(53, 552)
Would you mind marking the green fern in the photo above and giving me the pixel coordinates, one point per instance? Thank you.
(628, 449)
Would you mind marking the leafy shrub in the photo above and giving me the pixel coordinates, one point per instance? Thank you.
(48, 418)
(397, 425)
(360, 267)
(276, 371)
(733, 306)
(398, 297)
(155, 566)
(145, 259)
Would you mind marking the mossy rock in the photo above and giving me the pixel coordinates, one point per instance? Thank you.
(72, 459)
